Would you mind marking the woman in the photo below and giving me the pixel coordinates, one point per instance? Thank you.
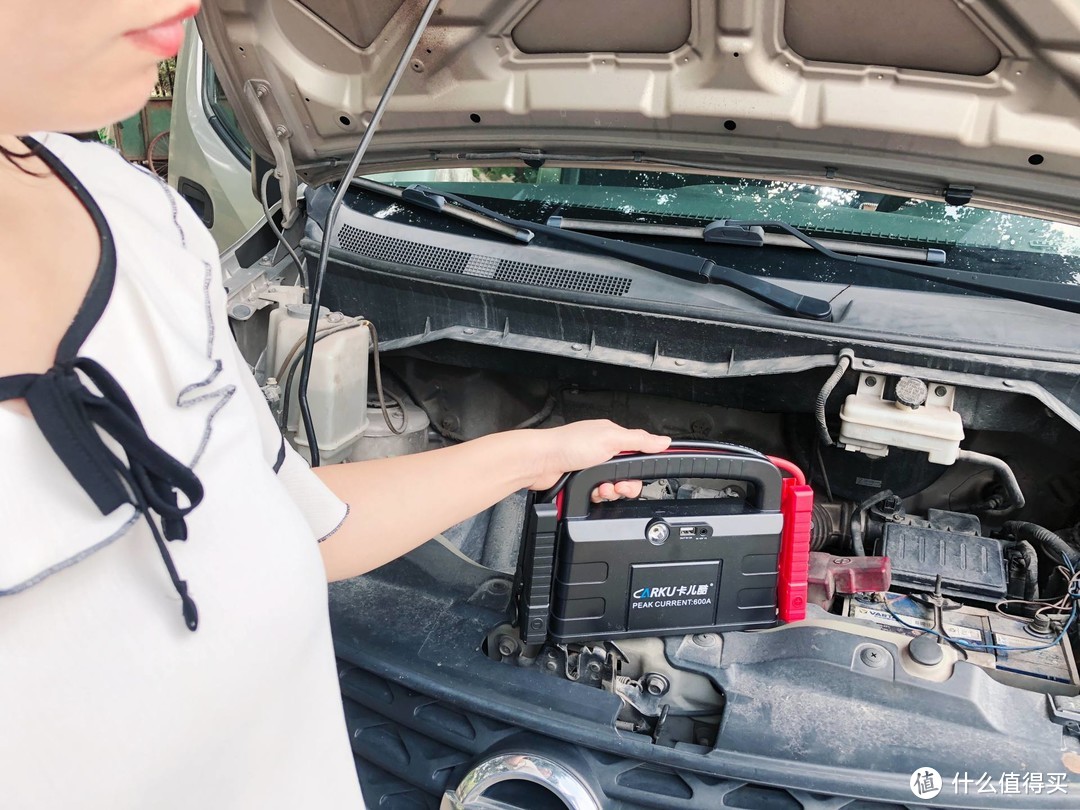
(145, 490)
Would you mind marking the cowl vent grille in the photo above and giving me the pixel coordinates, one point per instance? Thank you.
(402, 251)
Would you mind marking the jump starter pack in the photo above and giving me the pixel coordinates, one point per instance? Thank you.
(666, 567)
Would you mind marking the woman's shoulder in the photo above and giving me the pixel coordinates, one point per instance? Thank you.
(103, 170)
(74, 150)
(131, 197)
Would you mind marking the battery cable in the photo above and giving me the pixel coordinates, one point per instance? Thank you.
(1072, 595)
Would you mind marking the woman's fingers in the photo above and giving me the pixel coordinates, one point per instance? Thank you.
(615, 491)
(604, 492)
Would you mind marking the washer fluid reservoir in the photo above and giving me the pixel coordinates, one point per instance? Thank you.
(337, 388)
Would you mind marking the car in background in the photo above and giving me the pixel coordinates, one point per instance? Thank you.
(841, 232)
(209, 157)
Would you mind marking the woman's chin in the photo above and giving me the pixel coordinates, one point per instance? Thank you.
(124, 100)
(95, 99)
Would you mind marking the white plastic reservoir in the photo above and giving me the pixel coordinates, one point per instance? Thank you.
(337, 389)
(920, 418)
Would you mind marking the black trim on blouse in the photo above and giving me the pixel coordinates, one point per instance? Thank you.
(70, 414)
(101, 286)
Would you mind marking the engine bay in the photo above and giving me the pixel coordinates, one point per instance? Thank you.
(923, 554)
(944, 563)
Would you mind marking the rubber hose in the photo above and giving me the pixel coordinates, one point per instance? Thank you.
(858, 521)
(823, 398)
(1004, 473)
(540, 416)
(820, 526)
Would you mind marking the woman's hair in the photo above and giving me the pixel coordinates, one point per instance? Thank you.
(16, 158)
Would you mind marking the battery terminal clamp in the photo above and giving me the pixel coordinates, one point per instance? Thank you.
(647, 568)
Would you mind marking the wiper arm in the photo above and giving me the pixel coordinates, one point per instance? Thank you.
(724, 232)
(693, 267)
(433, 201)
(699, 269)
(749, 233)
(1044, 293)
(1033, 291)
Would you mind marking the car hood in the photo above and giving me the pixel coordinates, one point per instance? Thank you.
(965, 100)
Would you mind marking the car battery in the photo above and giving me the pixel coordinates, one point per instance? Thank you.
(645, 567)
(1004, 646)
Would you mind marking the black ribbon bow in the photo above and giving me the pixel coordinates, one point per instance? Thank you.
(68, 414)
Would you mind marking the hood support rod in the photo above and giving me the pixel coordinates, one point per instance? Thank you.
(316, 281)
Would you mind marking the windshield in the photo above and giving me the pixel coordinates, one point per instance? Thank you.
(973, 238)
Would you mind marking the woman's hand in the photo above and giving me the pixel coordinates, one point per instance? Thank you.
(405, 500)
(585, 444)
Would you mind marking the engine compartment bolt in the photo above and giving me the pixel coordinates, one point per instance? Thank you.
(507, 645)
(594, 666)
(656, 684)
(551, 665)
(705, 639)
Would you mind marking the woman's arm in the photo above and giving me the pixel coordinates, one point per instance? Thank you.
(395, 504)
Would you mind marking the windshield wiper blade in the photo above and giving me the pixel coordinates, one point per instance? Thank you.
(750, 233)
(1051, 294)
(724, 232)
(700, 269)
(689, 266)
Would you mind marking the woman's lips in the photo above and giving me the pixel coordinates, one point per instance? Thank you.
(164, 38)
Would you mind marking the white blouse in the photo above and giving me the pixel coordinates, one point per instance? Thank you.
(107, 698)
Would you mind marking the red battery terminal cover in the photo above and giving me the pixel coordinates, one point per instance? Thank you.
(797, 506)
(832, 575)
